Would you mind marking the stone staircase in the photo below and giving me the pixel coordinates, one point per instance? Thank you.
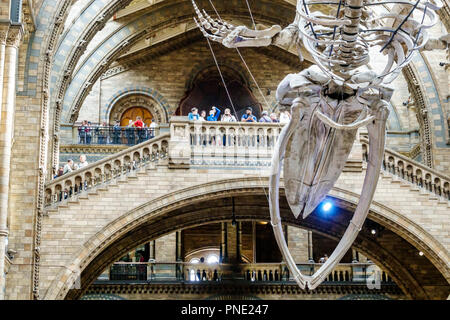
(407, 173)
(186, 143)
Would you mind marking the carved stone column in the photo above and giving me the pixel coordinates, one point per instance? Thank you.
(8, 64)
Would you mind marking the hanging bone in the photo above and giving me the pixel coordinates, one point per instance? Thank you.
(332, 99)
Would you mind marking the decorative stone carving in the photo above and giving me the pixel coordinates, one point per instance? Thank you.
(332, 99)
(3, 34)
(113, 71)
(14, 36)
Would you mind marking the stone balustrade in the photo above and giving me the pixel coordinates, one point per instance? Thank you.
(224, 143)
(252, 272)
(113, 167)
(413, 172)
(233, 144)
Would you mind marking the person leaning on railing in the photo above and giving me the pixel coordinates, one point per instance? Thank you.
(193, 115)
(139, 125)
(248, 116)
(214, 114)
(265, 117)
(82, 132)
(88, 130)
(227, 117)
(129, 130)
(117, 130)
(101, 132)
(153, 127)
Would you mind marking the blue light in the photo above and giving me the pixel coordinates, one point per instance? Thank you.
(327, 206)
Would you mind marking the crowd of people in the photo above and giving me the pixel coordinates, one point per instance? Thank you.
(135, 132)
(248, 116)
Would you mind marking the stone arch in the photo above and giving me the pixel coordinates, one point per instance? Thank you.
(204, 89)
(204, 65)
(158, 212)
(126, 98)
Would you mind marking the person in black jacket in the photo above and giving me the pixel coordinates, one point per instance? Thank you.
(130, 133)
(82, 132)
(116, 132)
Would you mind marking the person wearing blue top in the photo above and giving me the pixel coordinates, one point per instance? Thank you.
(193, 115)
(213, 114)
(248, 116)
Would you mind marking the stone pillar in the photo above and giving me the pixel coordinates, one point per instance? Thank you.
(8, 55)
(310, 247)
(166, 248)
(178, 253)
(166, 254)
(298, 244)
(355, 256)
(152, 250)
(239, 242)
(234, 250)
(179, 143)
(224, 244)
(232, 242)
(254, 241)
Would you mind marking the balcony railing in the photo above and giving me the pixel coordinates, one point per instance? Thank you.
(256, 272)
(220, 144)
(232, 143)
(118, 165)
(413, 172)
(101, 135)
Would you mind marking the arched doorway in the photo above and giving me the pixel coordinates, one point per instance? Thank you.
(207, 90)
(133, 113)
(131, 104)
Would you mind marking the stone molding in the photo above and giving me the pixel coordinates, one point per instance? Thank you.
(241, 288)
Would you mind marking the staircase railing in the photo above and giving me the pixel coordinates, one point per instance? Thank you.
(220, 144)
(413, 172)
(107, 169)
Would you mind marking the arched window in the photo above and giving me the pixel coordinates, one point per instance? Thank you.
(212, 259)
(195, 260)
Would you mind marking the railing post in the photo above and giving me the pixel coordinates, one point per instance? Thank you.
(179, 143)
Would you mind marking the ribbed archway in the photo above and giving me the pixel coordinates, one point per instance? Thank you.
(390, 250)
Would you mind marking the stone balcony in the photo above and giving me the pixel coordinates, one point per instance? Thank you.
(132, 272)
(187, 144)
(244, 281)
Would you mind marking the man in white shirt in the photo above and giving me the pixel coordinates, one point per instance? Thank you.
(83, 162)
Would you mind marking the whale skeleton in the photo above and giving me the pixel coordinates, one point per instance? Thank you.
(332, 99)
